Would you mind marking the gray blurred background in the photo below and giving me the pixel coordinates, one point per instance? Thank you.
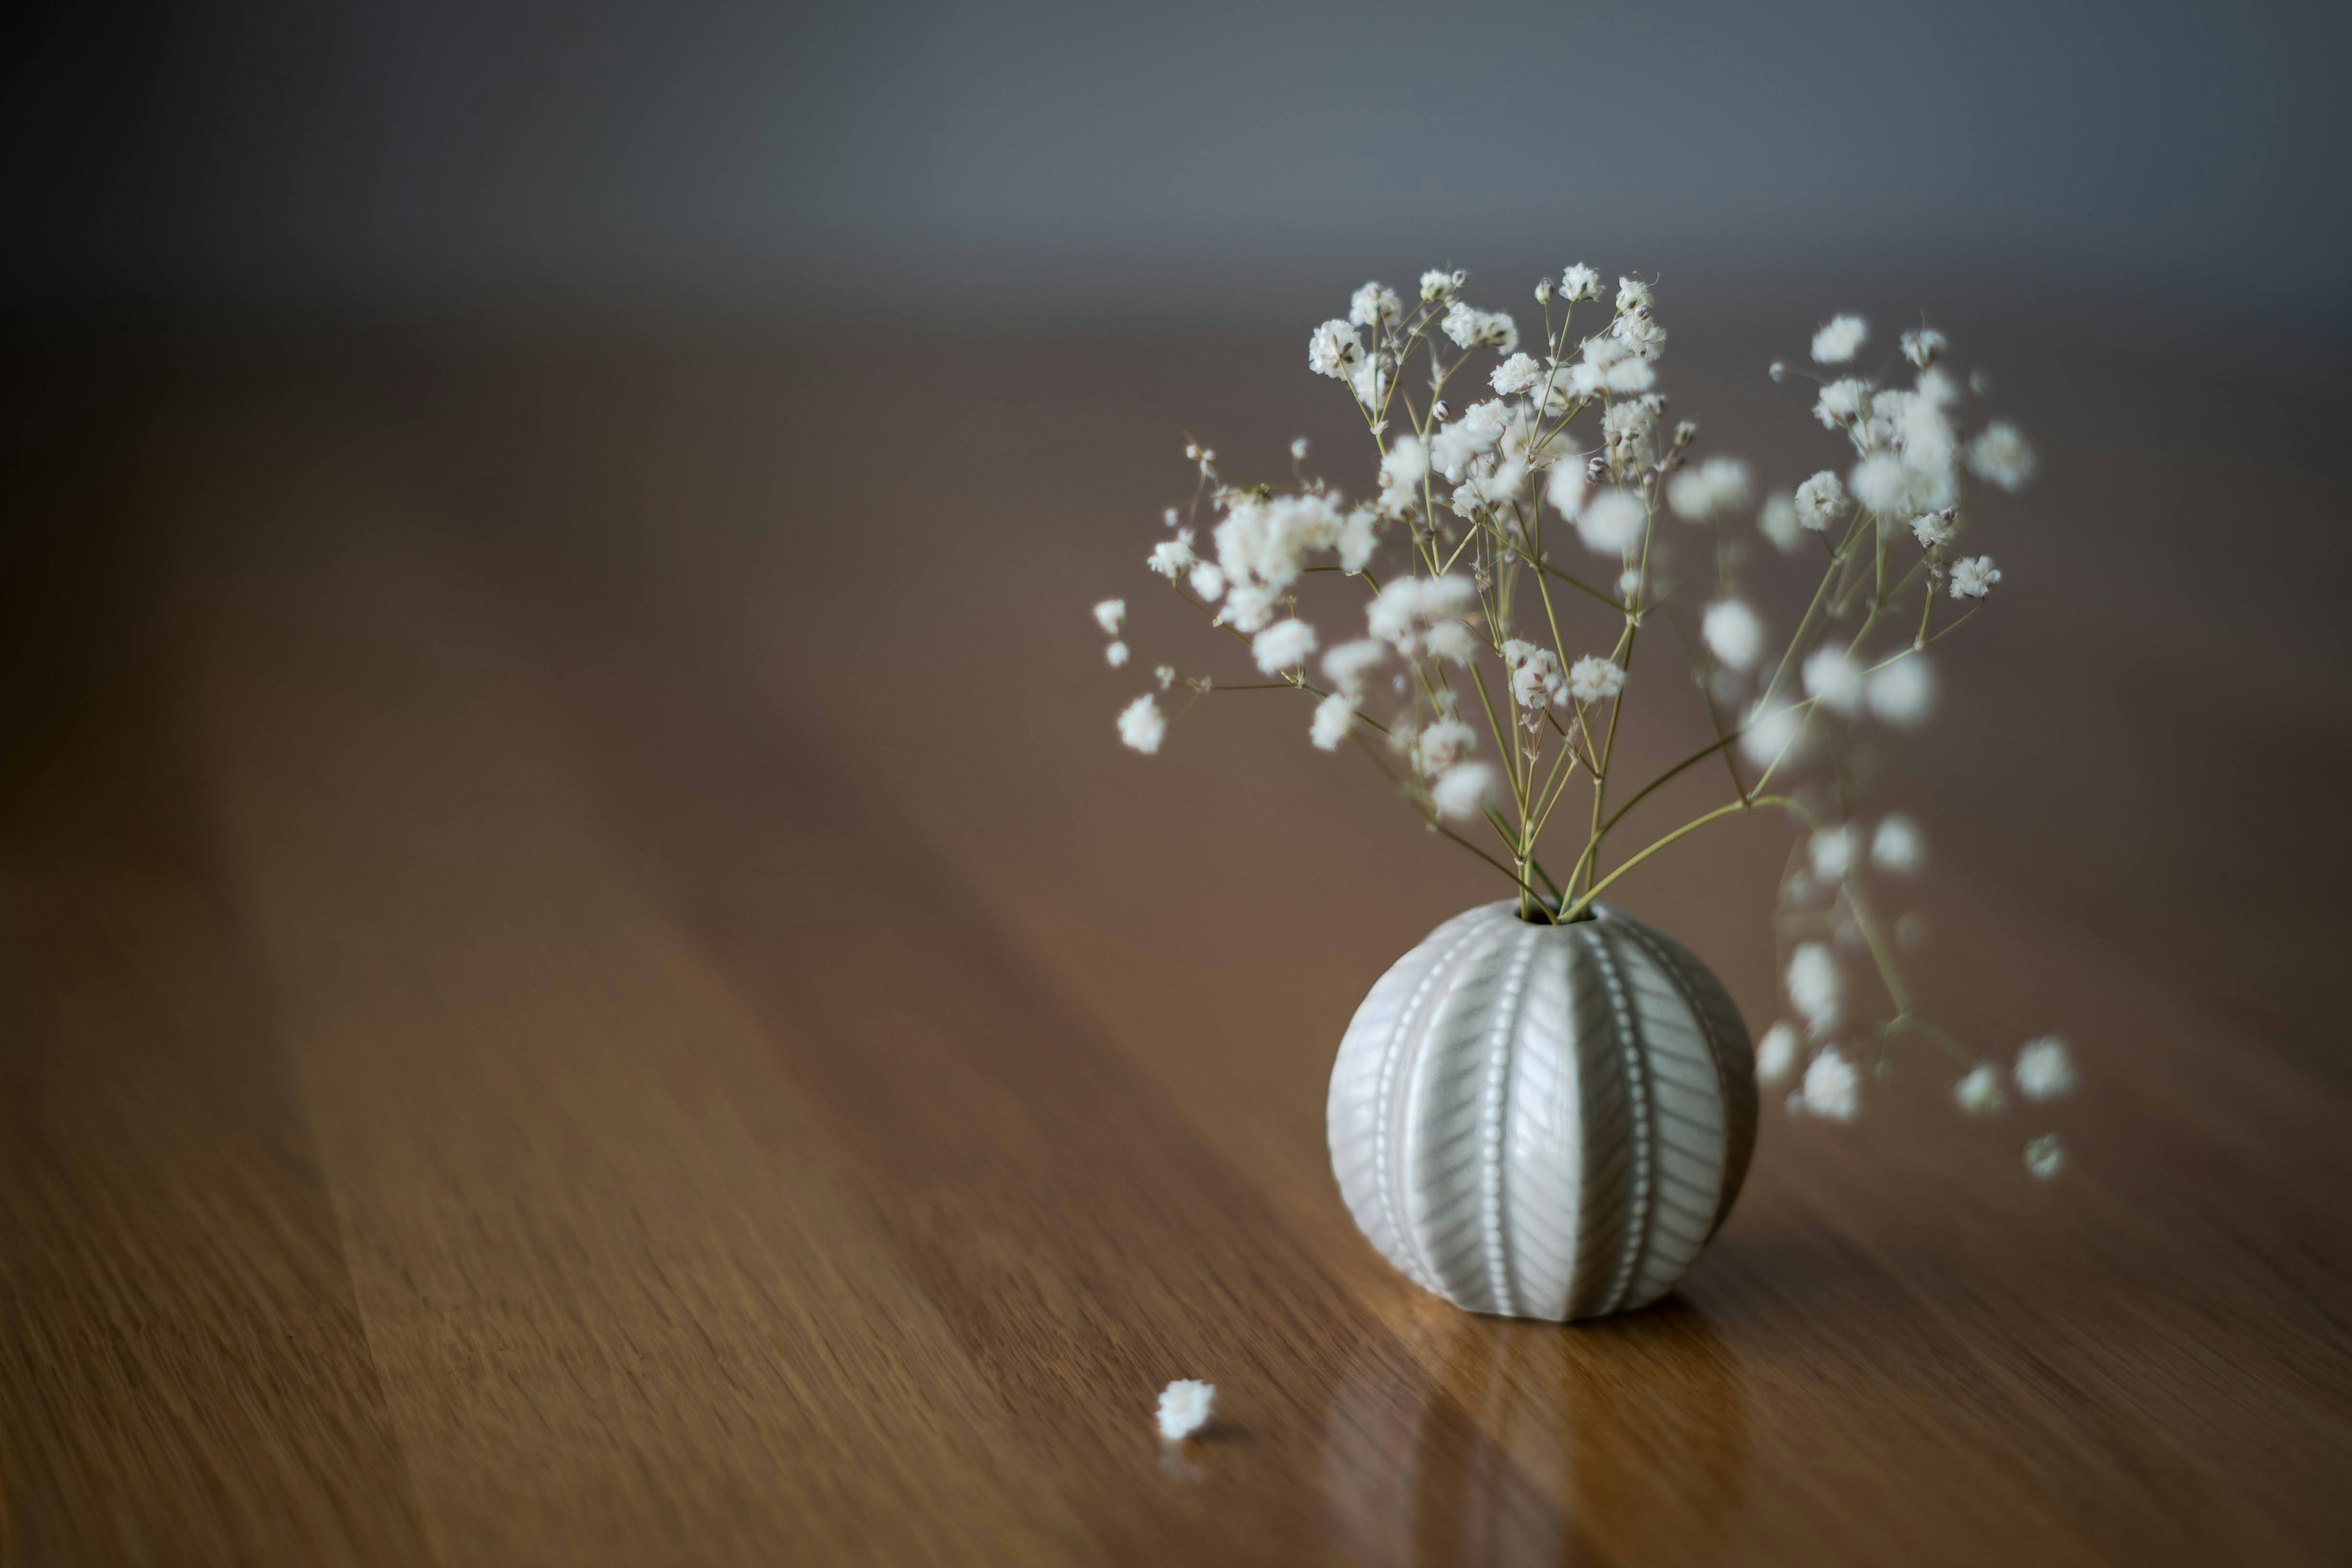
(1088, 164)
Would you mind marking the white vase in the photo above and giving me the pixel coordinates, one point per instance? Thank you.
(1543, 1121)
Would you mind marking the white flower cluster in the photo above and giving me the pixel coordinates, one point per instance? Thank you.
(1492, 664)
(1835, 861)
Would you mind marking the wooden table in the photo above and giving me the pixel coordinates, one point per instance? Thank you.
(586, 983)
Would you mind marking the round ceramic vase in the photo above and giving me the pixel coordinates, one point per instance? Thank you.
(1543, 1121)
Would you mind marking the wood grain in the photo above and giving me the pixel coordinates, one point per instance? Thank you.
(544, 1024)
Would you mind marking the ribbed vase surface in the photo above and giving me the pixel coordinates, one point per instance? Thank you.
(1543, 1121)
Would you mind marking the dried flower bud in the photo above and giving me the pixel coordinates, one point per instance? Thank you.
(1923, 347)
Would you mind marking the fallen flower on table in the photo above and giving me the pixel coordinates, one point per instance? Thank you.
(1185, 1407)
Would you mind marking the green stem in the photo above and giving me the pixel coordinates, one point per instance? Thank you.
(1576, 910)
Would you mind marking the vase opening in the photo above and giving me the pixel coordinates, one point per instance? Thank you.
(1549, 918)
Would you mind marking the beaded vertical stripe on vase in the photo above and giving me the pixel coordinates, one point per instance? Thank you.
(1548, 1108)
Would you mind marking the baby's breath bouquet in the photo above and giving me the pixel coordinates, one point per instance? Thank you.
(1538, 521)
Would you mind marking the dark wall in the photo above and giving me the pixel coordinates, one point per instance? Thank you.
(1101, 159)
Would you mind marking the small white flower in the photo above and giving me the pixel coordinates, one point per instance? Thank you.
(1566, 488)
(1515, 375)
(1935, 530)
(1578, 283)
(1249, 606)
(1110, 615)
(1627, 377)
(1732, 632)
(1269, 540)
(1298, 451)
(1593, 679)
(1633, 295)
(1612, 523)
(1536, 681)
(1904, 693)
(1980, 1093)
(1470, 327)
(1452, 641)
(1443, 744)
(1710, 490)
(1115, 655)
(1141, 724)
(1208, 582)
(1436, 285)
(1283, 645)
(2045, 1156)
(2045, 1071)
(1821, 502)
(1406, 462)
(1185, 1407)
(1839, 403)
(1543, 291)
(1923, 347)
(1836, 343)
(1165, 675)
(1898, 848)
(1776, 1053)
(1333, 716)
(1171, 558)
(2001, 457)
(1462, 790)
(1360, 536)
(1397, 615)
(1885, 484)
(1477, 432)
(1834, 681)
(1627, 427)
(1769, 734)
(1782, 523)
(1639, 331)
(1348, 664)
(1372, 305)
(1816, 989)
(1832, 1088)
(1973, 577)
(1832, 853)
(1333, 348)
(1462, 323)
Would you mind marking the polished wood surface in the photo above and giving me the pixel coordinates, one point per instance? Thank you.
(586, 983)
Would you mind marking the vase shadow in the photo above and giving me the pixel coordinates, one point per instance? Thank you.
(1624, 1439)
